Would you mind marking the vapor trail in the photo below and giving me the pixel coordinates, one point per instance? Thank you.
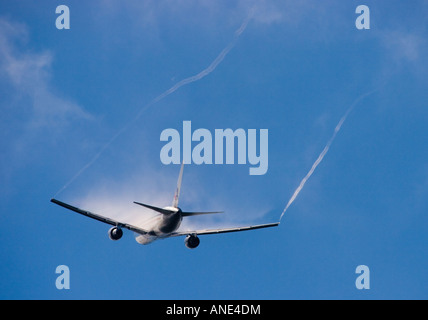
(166, 93)
(206, 71)
(324, 152)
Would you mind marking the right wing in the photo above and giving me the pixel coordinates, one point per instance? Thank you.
(225, 230)
(100, 218)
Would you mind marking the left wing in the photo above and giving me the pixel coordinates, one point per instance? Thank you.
(100, 217)
(226, 230)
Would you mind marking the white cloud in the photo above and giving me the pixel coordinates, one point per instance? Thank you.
(403, 46)
(28, 73)
(34, 115)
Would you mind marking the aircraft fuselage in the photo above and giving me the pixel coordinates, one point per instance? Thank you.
(162, 226)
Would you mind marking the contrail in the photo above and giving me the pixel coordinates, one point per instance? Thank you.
(166, 93)
(324, 152)
(206, 71)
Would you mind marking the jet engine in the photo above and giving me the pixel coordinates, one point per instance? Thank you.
(191, 241)
(115, 233)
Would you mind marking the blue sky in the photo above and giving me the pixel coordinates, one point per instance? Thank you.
(295, 70)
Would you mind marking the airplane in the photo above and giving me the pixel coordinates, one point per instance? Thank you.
(164, 225)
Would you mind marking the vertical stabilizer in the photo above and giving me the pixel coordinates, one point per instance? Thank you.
(177, 191)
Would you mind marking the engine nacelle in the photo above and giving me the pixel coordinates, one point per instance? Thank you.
(191, 241)
(115, 233)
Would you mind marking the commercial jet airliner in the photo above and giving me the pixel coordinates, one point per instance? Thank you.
(163, 225)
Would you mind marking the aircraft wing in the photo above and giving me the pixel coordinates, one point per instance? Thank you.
(225, 230)
(100, 218)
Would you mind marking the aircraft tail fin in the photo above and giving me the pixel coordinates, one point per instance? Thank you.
(177, 191)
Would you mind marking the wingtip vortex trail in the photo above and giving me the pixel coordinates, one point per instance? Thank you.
(324, 151)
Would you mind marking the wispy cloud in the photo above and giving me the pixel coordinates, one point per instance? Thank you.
(34, 113)
(402, 47)
(28, 72)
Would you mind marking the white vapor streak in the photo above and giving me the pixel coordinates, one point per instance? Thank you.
(166, 93)
(206, 71)
(323, 153)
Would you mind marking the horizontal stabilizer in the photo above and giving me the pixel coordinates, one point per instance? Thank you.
(188, 214)
(163, 211)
